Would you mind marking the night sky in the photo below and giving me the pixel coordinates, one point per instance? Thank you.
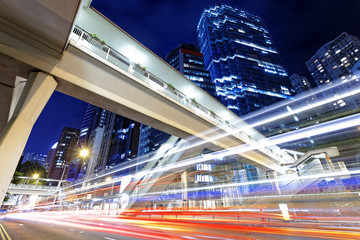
(298, 29)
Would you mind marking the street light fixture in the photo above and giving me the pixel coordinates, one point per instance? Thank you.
(35, 175)
(84, 152)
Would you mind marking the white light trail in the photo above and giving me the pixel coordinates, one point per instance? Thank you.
(243, 148)
(327, 127)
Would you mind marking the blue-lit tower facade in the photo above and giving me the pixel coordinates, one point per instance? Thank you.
(242, 60)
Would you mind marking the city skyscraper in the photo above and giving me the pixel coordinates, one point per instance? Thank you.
(110, 138)
(50, 156)
(34, 157)
(187, 59)
(63, 154)
(335, 59)
(241, 57)
(299, 83)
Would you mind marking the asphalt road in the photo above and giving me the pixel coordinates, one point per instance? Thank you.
(56, 226)
(33, 230)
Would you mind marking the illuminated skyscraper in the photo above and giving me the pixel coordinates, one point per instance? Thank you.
(110, 138)
(299, 83)
(241, 57)
(335, 59)
(188, 60)
(63, 154)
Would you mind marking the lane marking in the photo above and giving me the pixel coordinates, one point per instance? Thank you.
(21, 225)
(109, 238)
(2, 235)
(81, 231)
(7, 235)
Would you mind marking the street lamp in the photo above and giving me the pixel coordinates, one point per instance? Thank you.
(36, 176)
(84, 152)
(109, 179)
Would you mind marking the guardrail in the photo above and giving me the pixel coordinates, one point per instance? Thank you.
(32, 186)
(101, 49)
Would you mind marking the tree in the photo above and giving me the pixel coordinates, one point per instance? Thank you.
(15, 179)
(29, 169)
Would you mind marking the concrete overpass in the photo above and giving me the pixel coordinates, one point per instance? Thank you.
(30, 189)
(39, 57)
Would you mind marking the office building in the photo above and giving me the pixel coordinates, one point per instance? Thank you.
(49, 156)
(120, 141)
(335, 59)
(187, 59)
(299, 83)
(34, 157)
(242, 60)
(64, 153)
(110, 138)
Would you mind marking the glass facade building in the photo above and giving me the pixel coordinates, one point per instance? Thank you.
(299, 83)
(110, 138)
(335, 59)
(63, 154)
(241, 57)
(188, 60)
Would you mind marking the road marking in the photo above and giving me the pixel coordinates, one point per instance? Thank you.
(21, 225)
(109, 238)
(71, 229)
(7, 235)
(2, 235)
(81, 231)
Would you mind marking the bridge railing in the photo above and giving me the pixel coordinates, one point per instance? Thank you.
(101, 49)
(32, 186)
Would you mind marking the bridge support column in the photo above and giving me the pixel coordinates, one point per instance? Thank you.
(14, 136)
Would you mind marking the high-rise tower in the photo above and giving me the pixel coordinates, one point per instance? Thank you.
(335, 59)
(63, 154)
(187, 59)
(299, 83)
(241, 57)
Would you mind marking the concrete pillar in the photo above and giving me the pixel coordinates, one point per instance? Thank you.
(14, 136)
(18, 89)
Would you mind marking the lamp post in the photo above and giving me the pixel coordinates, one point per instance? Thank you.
(85, 153)
(108, 179)
(36, 176)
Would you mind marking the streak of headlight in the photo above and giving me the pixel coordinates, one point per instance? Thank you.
(327, 127)
(302, 96)
(200, 142)
(267, 181)
(303, 109)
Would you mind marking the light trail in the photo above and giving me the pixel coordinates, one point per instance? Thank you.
(267, 181)
(288, 113)
(335, 125)
(326, 127)
(242, 148)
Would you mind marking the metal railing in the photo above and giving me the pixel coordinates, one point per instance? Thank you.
(95, 45)
(32, 187)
